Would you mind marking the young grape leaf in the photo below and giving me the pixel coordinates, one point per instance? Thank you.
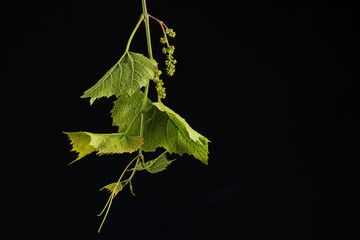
(130, 73)
(85, 143)
(115, 187)
(162, 127)
(156, 165)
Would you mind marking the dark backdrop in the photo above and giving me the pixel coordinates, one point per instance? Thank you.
(273, 84)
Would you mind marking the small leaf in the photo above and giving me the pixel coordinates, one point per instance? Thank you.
(114, 188)
(131, 189)
(159, 164)
(129, 74)
(85, 143)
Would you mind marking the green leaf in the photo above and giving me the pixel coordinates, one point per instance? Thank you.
(162, 127)
(115, 143)
(85, 143)
(81, 144)
(129, 74)
(182, 125)
(180, 137)
(115, 187)
(126, 109)
(157, 165)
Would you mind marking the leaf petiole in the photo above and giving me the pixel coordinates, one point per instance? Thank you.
(133, 32)
(134, 120)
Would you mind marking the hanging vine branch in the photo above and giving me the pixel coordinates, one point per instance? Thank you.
(143, 125)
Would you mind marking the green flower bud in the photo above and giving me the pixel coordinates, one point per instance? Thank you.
(163, 40)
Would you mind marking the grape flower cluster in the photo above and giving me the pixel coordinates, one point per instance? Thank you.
(169, 62)
(169, 50)
(159, 85)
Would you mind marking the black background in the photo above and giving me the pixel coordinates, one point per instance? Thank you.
(273, 84)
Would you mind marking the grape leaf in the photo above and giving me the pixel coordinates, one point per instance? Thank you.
(80, 143)
(180, 137)
(162, 127)
(125, 110)
(85, 143)
(114, 187)
(130, 73)
(156, 165)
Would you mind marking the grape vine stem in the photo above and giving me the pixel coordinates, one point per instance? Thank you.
(148, 41)
(143, 17)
